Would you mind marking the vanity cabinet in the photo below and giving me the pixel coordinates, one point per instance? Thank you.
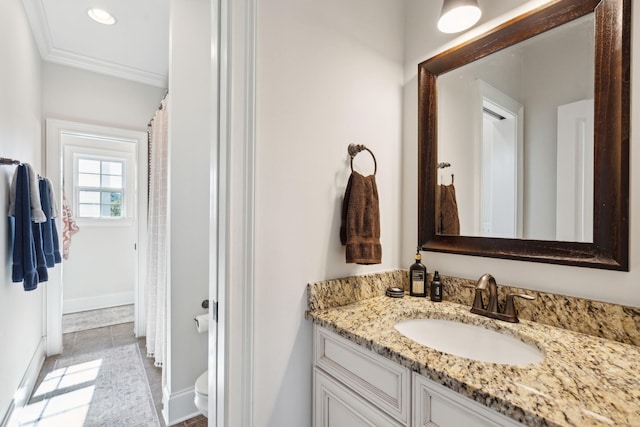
(435, 405)
(353, 386)
(335, 405)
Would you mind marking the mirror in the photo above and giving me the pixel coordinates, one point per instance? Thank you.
(513, 172)
(527, 225)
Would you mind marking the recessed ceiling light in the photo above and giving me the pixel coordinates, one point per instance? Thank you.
(101, 16)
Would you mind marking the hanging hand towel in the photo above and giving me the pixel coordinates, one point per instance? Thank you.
(69, 227)
(24, 253)
(54, 214)
(360, 229)
(47, 227)
(37, 214)
(449, 221)
(41, 262)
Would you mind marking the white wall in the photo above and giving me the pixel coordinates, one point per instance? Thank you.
(422, 41)
(20, 138)
(86, 97)
(189, 192)
(328, 74)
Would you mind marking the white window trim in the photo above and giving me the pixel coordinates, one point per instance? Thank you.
(77, 156)
(127, 157)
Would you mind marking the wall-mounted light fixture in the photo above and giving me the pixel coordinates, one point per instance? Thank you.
(458, 15)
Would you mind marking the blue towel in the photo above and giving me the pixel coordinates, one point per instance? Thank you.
(41, 262)
(46, 227)
(54, 214)
(24, 253)
(56, 242)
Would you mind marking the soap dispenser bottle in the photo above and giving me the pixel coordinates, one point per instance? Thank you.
(436, 288)
(418, 277)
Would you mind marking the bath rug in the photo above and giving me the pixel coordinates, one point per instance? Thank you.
(105, 388)
(81, 321)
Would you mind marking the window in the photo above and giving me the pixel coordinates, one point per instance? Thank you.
(100, 188)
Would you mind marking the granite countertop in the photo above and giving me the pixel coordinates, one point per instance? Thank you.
(583, 380)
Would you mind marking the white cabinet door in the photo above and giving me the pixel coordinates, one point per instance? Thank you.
(437, 406)
(384, 383)
(337, 406)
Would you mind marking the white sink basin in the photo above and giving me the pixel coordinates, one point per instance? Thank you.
(469, 341)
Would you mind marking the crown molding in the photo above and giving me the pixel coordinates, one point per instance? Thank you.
(87, 63)
(39, 26)
(42, 36)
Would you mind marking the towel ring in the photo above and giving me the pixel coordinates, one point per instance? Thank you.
(354, 149)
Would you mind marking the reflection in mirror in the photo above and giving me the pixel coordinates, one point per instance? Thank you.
(523, 161)
(560, 143)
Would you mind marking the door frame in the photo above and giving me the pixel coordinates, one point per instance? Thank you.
(232, 282)
(54, 170)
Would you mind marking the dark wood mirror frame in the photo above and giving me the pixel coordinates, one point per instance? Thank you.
(610, 247)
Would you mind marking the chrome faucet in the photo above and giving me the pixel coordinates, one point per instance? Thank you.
(508, 312)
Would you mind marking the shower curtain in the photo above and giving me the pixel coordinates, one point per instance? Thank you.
(157, 258)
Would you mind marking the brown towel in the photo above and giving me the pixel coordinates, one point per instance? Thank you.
(449, 221)
(360, 229)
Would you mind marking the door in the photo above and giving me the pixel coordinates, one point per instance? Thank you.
(574, 197)
(99, 185)
(64, 145)
(500, 121)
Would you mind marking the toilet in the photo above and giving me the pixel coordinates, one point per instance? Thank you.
(202, 393)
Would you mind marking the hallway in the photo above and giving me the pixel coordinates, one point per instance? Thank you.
(69, 386)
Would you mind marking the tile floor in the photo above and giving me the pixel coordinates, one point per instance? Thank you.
(108, 337)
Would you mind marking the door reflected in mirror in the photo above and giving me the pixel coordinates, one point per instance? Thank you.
(517, 129)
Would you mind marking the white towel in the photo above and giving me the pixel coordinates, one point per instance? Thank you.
(37, 214)
(52, 199)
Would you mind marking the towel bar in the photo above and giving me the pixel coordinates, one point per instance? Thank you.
(6, 161)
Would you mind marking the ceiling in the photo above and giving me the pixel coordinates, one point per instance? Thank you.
(135, 48)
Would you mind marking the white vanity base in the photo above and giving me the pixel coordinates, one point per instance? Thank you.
(353, 386)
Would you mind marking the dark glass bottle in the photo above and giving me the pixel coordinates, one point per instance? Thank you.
(418, 278)
(436, 288)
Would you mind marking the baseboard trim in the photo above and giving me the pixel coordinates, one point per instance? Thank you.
(25, 389)
(76, 305)
(178, 407)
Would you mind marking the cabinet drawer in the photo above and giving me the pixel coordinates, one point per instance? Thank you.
(337, 406)
(437, 406)
(384, 383)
